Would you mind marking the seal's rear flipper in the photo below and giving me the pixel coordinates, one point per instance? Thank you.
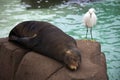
(23, 41)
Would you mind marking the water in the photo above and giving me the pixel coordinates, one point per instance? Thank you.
(69, 19)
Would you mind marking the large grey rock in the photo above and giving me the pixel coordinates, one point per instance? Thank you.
(19, 64)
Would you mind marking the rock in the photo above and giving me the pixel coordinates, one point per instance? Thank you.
(10, 57)
(36, 67)
(33, 4)
(20, 64)
(81, 1)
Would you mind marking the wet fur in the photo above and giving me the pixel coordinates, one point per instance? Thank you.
(43, 38)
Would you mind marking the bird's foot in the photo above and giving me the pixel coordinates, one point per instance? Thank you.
(93, 40)
(85, 39)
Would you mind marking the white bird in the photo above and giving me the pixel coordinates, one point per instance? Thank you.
(90, 20)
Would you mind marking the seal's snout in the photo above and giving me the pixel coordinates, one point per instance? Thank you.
(73, 67)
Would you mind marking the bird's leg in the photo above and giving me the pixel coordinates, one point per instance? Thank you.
(91, 33)
(86, 32)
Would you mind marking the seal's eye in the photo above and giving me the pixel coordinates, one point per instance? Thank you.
(73, 59)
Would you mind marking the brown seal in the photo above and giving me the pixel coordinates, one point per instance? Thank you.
(48, 40)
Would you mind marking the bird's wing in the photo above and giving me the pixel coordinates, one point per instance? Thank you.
(86, 19)
(94, 19)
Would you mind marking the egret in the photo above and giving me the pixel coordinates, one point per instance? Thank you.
(90, 20)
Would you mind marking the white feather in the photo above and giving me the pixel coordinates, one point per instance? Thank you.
(90, 18)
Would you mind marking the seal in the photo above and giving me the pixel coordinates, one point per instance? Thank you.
(48, 40)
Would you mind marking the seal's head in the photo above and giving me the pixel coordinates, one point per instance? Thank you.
(72, 58)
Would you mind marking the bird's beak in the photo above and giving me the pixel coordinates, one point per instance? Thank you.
(90, 14)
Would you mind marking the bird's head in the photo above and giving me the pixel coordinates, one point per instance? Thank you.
(91, 10)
